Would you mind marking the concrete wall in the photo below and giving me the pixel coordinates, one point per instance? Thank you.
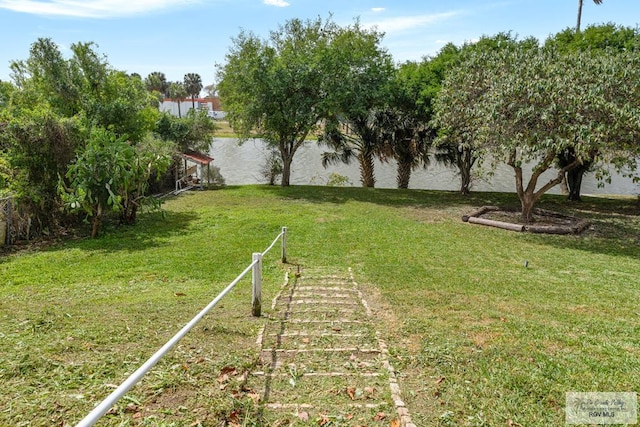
(211, 105)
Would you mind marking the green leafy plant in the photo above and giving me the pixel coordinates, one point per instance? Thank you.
(111, 175)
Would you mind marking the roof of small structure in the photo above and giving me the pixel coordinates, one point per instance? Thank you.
(200, 158)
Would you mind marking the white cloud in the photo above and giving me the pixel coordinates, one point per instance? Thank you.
(378, 9)
(90, 8)
(278, 3)
(403, 23)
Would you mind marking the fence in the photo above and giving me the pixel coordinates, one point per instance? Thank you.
(255, 267)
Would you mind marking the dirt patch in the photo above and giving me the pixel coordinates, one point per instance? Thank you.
(545, 221)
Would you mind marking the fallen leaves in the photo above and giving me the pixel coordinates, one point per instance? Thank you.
(355, 393)
(380, 416)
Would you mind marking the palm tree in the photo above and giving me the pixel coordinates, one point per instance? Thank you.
(193, 86)
(359, 137)
(407, 141)
(157, 81)
(177, 92)
(580, 12)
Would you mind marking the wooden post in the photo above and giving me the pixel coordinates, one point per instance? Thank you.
(284, 245)
(256, 293)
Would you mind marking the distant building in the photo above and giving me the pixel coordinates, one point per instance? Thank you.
(210, 105)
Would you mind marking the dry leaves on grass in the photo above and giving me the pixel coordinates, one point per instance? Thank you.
(323, 420)
(233, 420)
(380, 416)
(358, 393)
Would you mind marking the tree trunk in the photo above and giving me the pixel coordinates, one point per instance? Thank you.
(404, 173)
(286, 170)
(527, 201)
(465, 162)
(465, 181)
(564, 187)
(579, 15)
(95, 222)
(574, 179)
(179, 113)
(367, 177)
(129, 213)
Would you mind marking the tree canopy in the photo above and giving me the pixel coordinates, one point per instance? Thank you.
(531, 104)
(361, 84)
(278, 87)
(54, 109)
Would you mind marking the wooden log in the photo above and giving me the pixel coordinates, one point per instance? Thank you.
(483, 210)
(498, 224)
(558, 229)
(581, 226)
(549, 229)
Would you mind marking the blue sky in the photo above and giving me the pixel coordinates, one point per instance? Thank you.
(182, 36)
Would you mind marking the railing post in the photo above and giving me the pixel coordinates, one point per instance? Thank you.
(256, 293)
(284, 245)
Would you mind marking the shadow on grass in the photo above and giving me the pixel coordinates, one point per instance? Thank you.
(615, 228)
(151, 230)
(389, 197)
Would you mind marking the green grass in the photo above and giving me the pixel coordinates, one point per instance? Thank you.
(477, 338)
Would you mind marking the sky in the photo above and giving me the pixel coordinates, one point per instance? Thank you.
(193, 36)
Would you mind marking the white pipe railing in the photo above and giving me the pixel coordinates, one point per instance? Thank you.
(255, 267)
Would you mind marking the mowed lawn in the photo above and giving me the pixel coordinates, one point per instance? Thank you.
(485, 326)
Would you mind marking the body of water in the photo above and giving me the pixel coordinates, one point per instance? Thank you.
(241, 164)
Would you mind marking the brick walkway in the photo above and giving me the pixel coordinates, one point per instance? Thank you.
(322, 360)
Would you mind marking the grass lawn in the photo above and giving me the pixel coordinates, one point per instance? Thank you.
(477, 337)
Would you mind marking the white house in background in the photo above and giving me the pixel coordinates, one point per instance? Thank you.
(210, 105)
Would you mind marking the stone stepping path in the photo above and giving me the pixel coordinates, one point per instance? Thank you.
(322, 362)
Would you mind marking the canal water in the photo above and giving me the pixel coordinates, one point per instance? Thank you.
(242, 164)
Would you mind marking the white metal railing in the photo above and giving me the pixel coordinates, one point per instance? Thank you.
(255, 267)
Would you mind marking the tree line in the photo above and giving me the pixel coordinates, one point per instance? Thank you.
(82, 140)
(570, 103)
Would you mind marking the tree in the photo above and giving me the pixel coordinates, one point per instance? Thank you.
(53, 106)
(6, 91)
(455, 92)
(157, 81)
(363, 139)
(361, 81)
(85, 86)
(110, 174)
(193, 86)
(278, 88)
(539, 103)
(211, 90)
(46, 77)
(177, 92)
(192, 132)
(580, 3)
(39, 144)
(411, 132)
(594, 39)
(406, 140)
